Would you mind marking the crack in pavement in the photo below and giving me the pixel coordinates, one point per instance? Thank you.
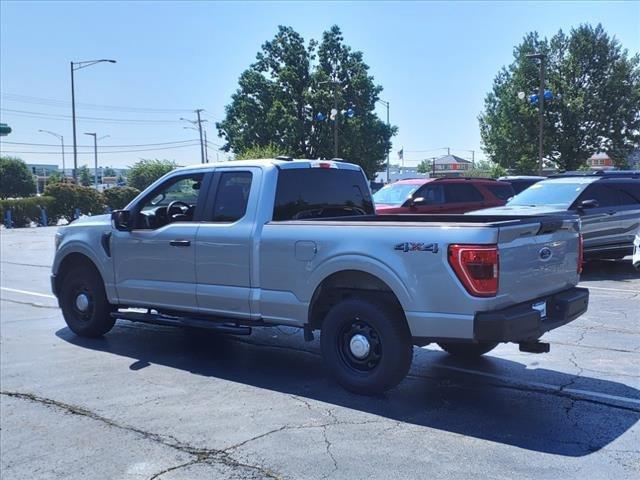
(36, 305)
(202, 455)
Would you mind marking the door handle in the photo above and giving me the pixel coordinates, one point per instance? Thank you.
(180, 243)
(611, 212)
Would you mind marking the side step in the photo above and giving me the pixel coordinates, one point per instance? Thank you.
(535, 347)
(158, 319)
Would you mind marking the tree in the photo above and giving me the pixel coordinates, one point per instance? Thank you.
(119, 197)
(280, 95)
(55, 177)
(268, 151)
(16, 180)
(145, 172)
(84, 176)
(108, 172)
(596, 105)
(486, 169)
(425, 166)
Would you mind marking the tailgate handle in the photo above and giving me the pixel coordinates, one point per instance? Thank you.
(180, 243)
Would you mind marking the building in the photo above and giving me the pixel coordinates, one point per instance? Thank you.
(449, 166)
(600, 161)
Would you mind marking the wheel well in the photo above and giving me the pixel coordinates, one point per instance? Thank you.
(340, 285)
(71, 261)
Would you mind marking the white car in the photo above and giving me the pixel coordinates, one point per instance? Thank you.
(636, 251)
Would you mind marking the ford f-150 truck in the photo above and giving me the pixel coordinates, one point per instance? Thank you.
(236, 245)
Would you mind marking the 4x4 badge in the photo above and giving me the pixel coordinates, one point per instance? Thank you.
(417, 247)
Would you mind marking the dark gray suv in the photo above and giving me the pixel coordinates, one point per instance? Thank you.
(608, 205)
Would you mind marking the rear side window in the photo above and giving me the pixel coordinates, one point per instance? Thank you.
(462, 193)
(503, 191)
(630, 193)
(604, 194)
(304, 193)
(232, 196)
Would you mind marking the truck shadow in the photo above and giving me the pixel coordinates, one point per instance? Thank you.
(438, 393)
(618, 270)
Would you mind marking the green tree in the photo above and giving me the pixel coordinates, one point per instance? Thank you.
(108, 172)
(119, 197)
(143, 173)
(268, 151)
(55, 177)
(425, 166)
(487, 169)
(84, 176)
(16, 180)
(596, 108)
(291, 81)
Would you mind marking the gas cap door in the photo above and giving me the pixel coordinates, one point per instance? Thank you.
(305, 250)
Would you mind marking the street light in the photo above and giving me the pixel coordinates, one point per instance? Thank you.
(95, 156)
(61, 138)
(77, 66)
(542, 57)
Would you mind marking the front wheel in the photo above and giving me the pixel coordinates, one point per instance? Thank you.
(467, 350)
(366, 345)
(84, 302)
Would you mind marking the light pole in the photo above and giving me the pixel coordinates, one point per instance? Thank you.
(386, 104)
(542, 57)
(77, 66)
(95, 157)
(61, 138)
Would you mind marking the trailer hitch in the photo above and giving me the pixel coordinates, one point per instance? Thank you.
(534, 347)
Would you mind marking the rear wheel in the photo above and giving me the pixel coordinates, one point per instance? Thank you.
(366, 345)
(467, 350)
(84, 302)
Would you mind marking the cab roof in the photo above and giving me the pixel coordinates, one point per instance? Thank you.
(281, 162)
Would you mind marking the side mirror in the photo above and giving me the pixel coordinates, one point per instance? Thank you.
(586, 204)
(414, 202)
(121, 220)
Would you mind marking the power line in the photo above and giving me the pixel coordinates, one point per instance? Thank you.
(27, 113)
(90, 106)
(106, 153)
(103, 146)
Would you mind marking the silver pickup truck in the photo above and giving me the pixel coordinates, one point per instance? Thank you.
(236, 245)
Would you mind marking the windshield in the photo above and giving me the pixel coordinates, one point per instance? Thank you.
(395, 194)
(558, 194)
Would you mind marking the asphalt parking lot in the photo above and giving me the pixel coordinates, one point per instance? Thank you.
(150, 402)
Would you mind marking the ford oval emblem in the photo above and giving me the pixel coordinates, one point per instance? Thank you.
(545, 253)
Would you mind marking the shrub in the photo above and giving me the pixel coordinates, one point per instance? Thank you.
(67, 197)
(119, 197)
(27, 210)
(16, 180)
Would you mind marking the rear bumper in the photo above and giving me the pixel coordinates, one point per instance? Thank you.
(522, 323)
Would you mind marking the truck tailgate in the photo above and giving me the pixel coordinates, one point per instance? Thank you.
(538, 258)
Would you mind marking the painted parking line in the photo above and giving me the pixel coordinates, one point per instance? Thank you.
(27, 292)
(625, 290)
(545, 386)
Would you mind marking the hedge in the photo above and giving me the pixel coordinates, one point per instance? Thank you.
(118, 197)
(67, 197)
(27, 210)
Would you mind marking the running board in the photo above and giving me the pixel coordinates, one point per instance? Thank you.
(158, 319)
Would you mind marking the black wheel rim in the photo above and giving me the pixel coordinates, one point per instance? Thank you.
(371, 360)
(84, 315)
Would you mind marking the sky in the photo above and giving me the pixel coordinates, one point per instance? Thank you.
(435, 60)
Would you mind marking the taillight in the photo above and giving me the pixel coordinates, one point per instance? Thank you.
(580, 253)
(476, 267)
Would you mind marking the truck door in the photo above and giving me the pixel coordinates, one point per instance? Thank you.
(601, 225)
(154, 263)
(225, 241)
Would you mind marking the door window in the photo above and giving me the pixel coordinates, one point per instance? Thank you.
(630, 193)
(232, 196)
(173, 201)
(432, 195)
(462, 193)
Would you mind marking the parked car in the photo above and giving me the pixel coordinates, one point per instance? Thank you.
(260, 243)
(521, 182)
(608, 204)
(441, 195)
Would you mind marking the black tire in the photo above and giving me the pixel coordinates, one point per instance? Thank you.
(95, 320)
(467, 350)
(390, 348)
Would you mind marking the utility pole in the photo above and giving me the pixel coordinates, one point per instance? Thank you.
(541, 57)
(95, 159)
(386, 104)
(199, 123)
(206, 150)
(335, 121)
(448, 150)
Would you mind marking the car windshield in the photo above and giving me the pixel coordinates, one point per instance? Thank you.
(557, 194)
(395, 194)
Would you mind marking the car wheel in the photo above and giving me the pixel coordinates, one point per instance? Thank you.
(366, 345)
(467, 350)
(84, 303)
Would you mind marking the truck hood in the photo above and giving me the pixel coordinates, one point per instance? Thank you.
(93, 220)
(519, 210)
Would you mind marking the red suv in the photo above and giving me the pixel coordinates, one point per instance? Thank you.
(441, 195)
